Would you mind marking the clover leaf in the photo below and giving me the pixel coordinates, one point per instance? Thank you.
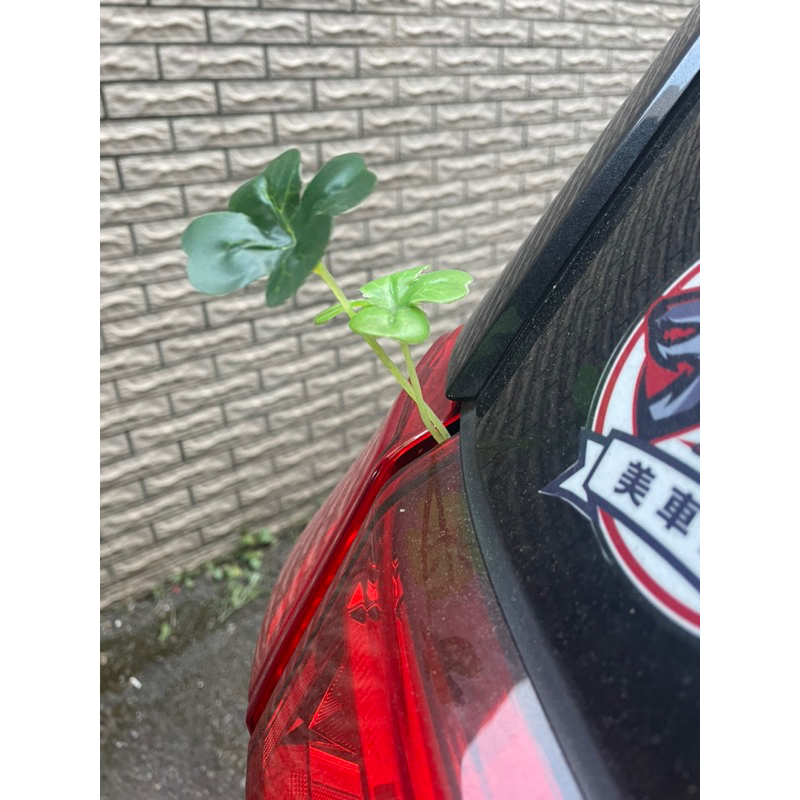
(253, 200)
(339, 186)
(389, 291)
(298, 263)
(271, 198)
(270, 231)
(442, 286)
(227, 251)
(392, 302)
(407, 324)
(284, 182)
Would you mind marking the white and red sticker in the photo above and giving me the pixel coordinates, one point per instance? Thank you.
(637, 477)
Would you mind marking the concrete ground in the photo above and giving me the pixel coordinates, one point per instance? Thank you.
(172, 710)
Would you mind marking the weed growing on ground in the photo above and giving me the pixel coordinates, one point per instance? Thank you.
(241, 572)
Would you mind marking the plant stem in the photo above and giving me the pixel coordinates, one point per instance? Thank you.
(426, 413)
(331, 283)
(412, 374)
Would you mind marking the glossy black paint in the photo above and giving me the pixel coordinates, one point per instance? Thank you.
(583, 755)
(618, 681)
(503, 313)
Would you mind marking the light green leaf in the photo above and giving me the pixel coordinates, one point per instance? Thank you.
(441, 286)
(328, 314)
(389, 291)
(334, 311)
(297, 264)
(226, 252)
(411, 286)
(408, 324)
(339, 186)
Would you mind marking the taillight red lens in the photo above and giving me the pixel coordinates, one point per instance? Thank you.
(406, 684)
(322, 545)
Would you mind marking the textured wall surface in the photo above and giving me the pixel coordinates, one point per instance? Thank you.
(217, 414)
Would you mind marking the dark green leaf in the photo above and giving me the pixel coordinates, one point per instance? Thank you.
(296, 264)
(390, 290)
(339, 186)
(442, 286)
(226, 252)
(409, 324)
(252, 199)
(283, 181)
(271, 198)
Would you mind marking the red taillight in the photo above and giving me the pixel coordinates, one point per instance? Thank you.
(323, 544)
(405, 684)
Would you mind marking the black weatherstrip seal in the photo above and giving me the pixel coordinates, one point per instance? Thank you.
(580, 750)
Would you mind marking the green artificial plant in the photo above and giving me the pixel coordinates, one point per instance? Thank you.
(274, 229)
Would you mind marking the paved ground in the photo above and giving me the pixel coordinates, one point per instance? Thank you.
(172, 712)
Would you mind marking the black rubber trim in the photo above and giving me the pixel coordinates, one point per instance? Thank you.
(580, 750)
(508, 307)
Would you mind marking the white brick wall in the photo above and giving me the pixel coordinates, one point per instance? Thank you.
(217, 413)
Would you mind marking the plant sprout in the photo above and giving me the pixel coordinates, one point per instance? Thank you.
(273, 230)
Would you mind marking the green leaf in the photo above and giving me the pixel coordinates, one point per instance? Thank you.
(252, 199)
(389, 291)
(226, 252)
(283, 181)
(333, 311)
(410, 286)
(339, 186)
(392, 310)
(248, 540)
(297, 264)
(442, 286)
(164, 631)
(271, 198)
(408, 324)
(266, 537)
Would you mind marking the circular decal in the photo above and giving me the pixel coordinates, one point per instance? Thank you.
(637, 477)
